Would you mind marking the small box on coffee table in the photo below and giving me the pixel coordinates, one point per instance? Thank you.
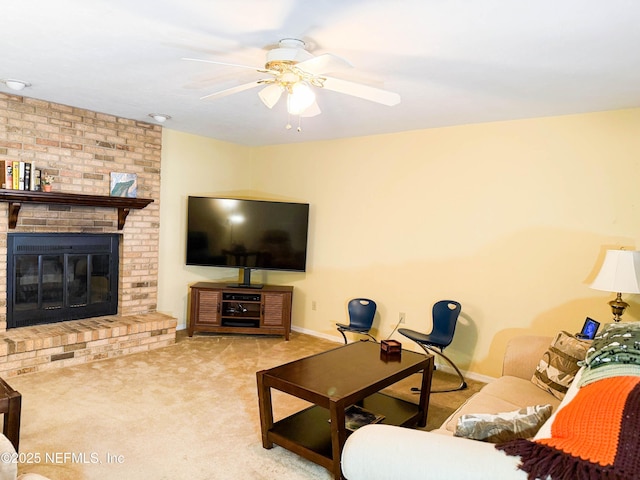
(391, 347)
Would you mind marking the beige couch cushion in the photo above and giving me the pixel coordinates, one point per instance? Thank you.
(502, 395)
(523, 354)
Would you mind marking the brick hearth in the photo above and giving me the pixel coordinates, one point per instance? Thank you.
(81, 148)
(32, 349)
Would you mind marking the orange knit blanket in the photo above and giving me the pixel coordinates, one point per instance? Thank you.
(596, 436)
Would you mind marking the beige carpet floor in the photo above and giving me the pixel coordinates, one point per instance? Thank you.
(188, 411)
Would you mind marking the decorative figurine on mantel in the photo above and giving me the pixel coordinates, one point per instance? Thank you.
(47, 181)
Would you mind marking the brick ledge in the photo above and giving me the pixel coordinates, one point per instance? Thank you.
(42, 347)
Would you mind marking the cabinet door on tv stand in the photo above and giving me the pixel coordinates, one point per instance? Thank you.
(276, 310)
(207, 307)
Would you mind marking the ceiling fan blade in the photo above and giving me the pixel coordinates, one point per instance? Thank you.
(215, 62)
(271, 94)
(312, 110)
(232, 90)
(373, 94)
(324, 63)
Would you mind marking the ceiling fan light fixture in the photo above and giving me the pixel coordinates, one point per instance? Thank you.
(312, 111)
(300, 98)
(271, 94)
(160, 117)
(14, 84)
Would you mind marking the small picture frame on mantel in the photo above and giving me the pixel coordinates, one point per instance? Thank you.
(124, 185)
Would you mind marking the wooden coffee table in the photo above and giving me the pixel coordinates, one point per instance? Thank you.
(332, 381)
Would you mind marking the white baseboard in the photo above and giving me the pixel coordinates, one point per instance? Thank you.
(331, 338)
(470, 375)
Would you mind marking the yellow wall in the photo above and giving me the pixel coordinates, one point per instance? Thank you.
(509, 218)
(191, 165)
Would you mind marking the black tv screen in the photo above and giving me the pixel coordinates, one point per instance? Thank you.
(249, 234)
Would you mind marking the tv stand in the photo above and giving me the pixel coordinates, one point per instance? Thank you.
(220, 308)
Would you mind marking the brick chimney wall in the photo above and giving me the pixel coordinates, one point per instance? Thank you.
(80, 148)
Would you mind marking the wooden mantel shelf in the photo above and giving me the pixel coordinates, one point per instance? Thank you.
(16, 198)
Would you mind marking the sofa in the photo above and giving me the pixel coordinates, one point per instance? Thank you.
(377, 452)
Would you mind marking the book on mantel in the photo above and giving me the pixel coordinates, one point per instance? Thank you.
(18, 175)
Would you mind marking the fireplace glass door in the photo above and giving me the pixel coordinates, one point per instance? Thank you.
(57, 277)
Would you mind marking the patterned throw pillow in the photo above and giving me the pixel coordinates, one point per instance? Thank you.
(558, 366)
(503, 427)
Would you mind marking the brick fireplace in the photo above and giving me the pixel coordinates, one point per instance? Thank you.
(81, 148)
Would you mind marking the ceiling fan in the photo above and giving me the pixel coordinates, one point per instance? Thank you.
(293, 70)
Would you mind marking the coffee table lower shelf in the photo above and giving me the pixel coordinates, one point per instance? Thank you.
(308, 432)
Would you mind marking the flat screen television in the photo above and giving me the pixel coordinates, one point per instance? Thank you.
(247, 234)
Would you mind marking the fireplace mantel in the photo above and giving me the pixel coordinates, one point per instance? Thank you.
(16, 198)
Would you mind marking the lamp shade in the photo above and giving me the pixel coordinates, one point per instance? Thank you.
(271, 94)
(300, 98)
(620, 272)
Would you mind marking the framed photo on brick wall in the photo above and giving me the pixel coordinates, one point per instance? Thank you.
(124, 185)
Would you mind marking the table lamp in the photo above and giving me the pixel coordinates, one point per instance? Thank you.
(620, 273)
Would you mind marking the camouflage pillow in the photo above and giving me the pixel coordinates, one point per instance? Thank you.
(558, 366)
(503, 427)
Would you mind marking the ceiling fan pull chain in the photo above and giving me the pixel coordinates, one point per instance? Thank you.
(288, 125)
(299, 123)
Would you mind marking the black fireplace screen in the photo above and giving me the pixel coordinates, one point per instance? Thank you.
(55, 277)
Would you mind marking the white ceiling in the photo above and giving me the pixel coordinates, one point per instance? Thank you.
(452, 61)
